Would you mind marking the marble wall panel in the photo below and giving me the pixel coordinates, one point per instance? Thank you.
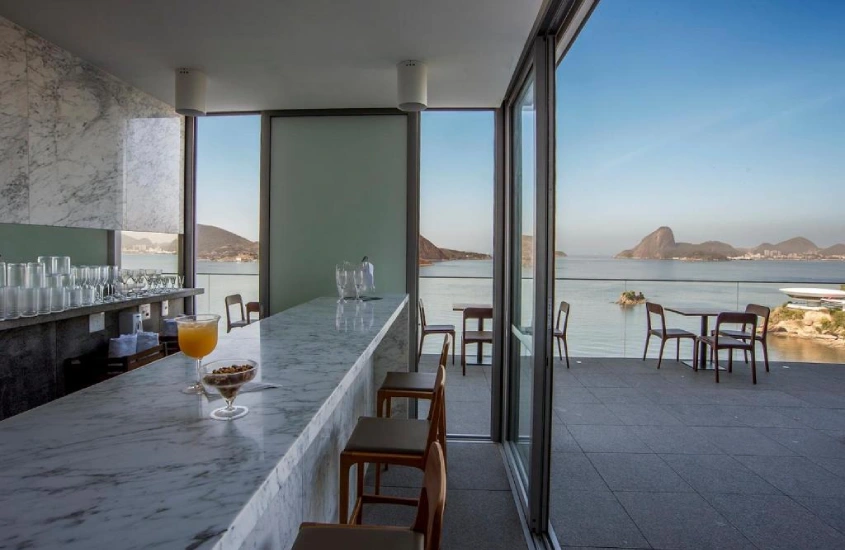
(81, 148)
(14, 179)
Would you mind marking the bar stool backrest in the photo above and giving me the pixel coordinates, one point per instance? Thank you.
(429, 519)
(444, 351)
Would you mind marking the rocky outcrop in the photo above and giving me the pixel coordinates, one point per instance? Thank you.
(827, 327)
(631, 298)
(797, 245)
(660, 245)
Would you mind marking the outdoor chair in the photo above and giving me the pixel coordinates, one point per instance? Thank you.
(433, 329)
(718, 341)
(480, 336)
(252, 307)
(665, 334)
(397, 441)
(560, 331)
(235, 300)
(424, 534)
(762, 312)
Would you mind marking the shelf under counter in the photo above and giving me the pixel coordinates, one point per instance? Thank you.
(98, 308)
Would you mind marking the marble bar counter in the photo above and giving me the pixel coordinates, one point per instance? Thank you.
(133, 463)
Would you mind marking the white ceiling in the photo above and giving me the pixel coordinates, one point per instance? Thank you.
(293, 54)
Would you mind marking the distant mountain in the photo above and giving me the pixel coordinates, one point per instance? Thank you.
(528, 251)
(127, 242)
(430, 252)
(661, 245)
(798, 245)
(214, 243)
(835, 250)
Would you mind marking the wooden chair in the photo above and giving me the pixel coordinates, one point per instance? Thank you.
(252, 307)
(433, 329)
(479, 336)
(235, 300)
(560, 331)
(398, 441)
(413, 385)
(718, 340)
(665, 334)
(425, 533)
(762, 312)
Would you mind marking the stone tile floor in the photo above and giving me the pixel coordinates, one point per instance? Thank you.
(648, 458)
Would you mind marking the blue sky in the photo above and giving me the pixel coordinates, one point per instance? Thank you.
(228, 173)
(722, 119)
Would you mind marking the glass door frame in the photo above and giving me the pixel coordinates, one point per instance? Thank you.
(539, 66)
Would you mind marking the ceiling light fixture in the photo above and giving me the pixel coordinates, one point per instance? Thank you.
(190, 92)
(412, 80)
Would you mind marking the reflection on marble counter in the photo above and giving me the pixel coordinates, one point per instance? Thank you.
(80, 148)
(133, 463)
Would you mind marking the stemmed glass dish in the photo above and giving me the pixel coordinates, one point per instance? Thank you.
(197, 336)
(227, 377)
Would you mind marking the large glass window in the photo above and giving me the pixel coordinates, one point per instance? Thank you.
(456, 246)
(699, 155)
(139, 250)
(227, 183)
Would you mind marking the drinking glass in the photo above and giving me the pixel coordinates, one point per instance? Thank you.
(341, 277)
(87, 283)
(60, 264)
(58, 295)
(197, 335)
(113, 278)
(228, 384)
(75, 287)
(29, 294)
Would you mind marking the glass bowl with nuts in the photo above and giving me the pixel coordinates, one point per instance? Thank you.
(227, 376)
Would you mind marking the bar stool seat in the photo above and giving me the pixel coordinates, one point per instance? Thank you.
(389, 435)
(348, 537)
(409, 381)
(414, 385)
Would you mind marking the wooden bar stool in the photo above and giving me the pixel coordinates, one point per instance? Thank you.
(424, 534)
(414, 385)
(398, 441)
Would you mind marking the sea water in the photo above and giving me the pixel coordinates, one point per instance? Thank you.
(598, 327)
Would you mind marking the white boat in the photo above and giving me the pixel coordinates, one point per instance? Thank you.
(814, 294)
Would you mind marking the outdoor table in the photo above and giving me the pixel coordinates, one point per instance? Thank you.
(705, 314)
(462, 306)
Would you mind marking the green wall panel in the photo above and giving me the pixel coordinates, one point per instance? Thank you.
(24, 243)
(337, 192)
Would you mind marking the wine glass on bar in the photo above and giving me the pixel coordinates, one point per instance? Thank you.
(197, 336)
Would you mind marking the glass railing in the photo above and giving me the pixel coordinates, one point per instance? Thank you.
(219, 285)
(599, 327)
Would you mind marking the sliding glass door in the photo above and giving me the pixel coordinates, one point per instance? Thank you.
(530, 244)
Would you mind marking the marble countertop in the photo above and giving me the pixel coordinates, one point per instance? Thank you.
(87, 310)
(134, 463)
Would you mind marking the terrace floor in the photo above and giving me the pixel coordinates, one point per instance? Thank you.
(647, 458)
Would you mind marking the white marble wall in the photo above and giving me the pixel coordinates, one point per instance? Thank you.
(80, 148)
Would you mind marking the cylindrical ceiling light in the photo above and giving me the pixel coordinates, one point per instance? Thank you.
(190, 92)
(412, 85)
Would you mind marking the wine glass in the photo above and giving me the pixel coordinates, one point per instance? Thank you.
(197, 336)
(227, 377)
(341, 278)
(359, 282)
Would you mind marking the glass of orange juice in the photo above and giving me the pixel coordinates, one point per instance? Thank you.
(197, 338)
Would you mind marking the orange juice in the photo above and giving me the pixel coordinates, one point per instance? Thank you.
(197, 339)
